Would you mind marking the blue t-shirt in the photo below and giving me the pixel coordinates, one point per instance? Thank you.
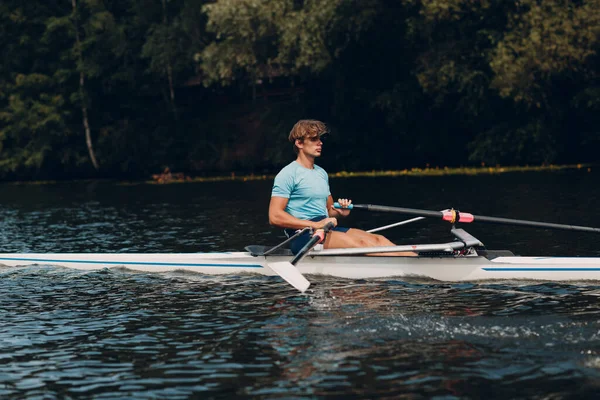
(306, 189)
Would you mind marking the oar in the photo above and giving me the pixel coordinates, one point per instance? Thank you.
(287, 269)
(454, 216)
(286, 241)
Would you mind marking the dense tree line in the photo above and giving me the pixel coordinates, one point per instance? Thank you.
(128, 87)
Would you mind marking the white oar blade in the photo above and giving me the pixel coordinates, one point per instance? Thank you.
(291, 274)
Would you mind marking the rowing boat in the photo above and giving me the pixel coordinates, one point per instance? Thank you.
(465, 258)
(452, 261)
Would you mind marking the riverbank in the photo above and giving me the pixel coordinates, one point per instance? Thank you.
(427, 171)
(175, 177)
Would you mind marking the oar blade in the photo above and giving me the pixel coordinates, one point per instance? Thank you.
(291, 274)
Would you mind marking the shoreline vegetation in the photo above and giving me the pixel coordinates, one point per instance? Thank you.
(167, 177)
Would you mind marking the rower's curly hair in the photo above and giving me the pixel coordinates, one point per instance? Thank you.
(306, 128)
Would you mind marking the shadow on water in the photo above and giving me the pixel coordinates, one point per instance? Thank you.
(123, 334)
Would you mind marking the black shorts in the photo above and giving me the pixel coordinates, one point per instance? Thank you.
(298, 243)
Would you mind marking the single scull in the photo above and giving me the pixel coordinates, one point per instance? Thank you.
(463, 259)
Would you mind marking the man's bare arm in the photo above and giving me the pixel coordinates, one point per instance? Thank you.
(280, 218)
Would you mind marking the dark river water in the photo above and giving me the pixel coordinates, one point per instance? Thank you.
(115, 333)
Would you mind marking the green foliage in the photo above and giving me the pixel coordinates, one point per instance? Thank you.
(31, 123)
(267, 39)
(401, 83)
(170, 41)
(543, 40)
(523, 144)
(246, 38)
(304, 36)
(531, 52)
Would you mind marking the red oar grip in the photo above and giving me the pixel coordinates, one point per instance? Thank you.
(320, 233)
(453, 216)
(466, 218)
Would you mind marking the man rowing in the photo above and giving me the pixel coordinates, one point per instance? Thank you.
(301, 197)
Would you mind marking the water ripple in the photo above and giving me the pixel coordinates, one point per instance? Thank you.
(114, 334)
(117, 333)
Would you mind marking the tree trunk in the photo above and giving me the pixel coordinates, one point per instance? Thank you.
(84, 111)
(169, 66)
(86, 124)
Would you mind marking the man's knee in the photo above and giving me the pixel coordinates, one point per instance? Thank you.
(380, 239)
(352, 241)
(363, 243)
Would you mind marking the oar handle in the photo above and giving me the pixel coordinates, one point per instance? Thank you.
(400, 210)
(337, 205)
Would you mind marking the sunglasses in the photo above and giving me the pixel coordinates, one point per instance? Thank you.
(315, 138)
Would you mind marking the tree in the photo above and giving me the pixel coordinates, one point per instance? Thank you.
(545, 40)
(171, 38)
(512, 69)
(34, 113)
(82, 91)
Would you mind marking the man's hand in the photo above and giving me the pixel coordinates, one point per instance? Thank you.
(344, 211)
(321, 224)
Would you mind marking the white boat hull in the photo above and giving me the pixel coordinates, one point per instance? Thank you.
(453, 269)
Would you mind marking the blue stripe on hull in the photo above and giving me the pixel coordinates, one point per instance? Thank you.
(566, 269)
(160, 264)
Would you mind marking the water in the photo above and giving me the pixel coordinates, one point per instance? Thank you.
(122, 334)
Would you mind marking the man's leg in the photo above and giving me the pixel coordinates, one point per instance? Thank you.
(372, 239)
(359, 238)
